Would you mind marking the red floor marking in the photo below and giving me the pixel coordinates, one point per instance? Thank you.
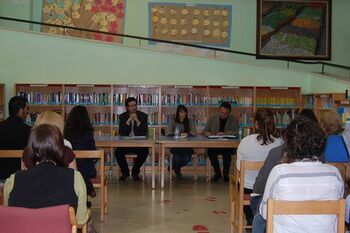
(216, 212)
(207, 199)
(211, 197)
(199, 228)
(203, 232)
(223, 212)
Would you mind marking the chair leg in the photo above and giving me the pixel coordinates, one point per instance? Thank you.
(105, 199)
(171, 166)
(208, 169)
(195, 166)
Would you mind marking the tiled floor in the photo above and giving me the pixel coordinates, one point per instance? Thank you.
(135, 208)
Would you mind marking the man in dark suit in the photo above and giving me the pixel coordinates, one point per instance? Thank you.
(132, 123)
(14, 135)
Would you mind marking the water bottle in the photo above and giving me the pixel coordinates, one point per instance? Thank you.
(177, 132)
(240, 132)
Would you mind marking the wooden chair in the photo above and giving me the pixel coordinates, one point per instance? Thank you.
(344, 170)
(275, 207)
(101, 180)
(237, 196)
(12, 154)
(55, 219)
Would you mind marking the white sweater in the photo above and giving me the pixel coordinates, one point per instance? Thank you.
(250, 149)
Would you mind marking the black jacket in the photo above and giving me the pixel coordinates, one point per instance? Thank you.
(14, 135)
(141, 130)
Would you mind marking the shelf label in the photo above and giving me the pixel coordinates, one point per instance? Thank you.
(38, 85)
(345, 102)
(183, 86)
(230, 87)
(279, 88)
(85, 85)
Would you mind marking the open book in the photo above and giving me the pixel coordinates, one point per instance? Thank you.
(222, 136)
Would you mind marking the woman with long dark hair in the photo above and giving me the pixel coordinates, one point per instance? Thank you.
(256, 147)
(79, 132)
(185, 127)
(49, 182)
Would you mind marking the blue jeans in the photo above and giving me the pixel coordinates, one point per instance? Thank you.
(181, 157)
(259, 224)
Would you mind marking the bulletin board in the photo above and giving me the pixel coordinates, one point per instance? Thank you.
(194, 23)
(100, 15)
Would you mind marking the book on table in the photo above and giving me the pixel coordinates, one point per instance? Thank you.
(222, 137)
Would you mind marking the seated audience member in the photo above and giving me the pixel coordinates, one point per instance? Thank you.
(186, 127)
(80, 134)
(301, 178)
(274, 158)
(53, 118)
(13, 135)
(48, 183)
(336, 150)
(256, 147)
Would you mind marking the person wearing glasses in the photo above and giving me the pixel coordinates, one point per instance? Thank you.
(132, 123)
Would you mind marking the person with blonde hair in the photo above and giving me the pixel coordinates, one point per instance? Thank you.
(332, 126)
(52, 118)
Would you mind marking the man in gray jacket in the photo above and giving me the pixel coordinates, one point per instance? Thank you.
(221, 124)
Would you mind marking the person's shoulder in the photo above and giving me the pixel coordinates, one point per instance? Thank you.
(142, 113)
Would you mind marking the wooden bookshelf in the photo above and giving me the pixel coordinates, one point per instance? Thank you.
(322, 101)
(2, 102)
(106, 102)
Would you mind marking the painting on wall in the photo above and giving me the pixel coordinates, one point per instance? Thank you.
(295, 29)
(99, 15)
(205, 24)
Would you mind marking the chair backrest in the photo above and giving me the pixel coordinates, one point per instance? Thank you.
(12, 154)
(93, 154)
(247, 166)
(54, 219)
(277, 207)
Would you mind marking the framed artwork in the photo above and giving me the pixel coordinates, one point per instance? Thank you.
(294, 29)
(99, 15)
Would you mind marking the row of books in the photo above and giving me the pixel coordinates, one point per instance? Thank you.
(142, 99)
(198, 118)
(42, 98)
(185, 99)
(277, 101)
(283, 118)
(235, 101)
(72, 98)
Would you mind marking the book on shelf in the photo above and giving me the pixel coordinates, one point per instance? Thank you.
(102, 99)
(54, 98)
(277, 101)
(235, 101)
(142, 99)
(222, 137)
(190, 99)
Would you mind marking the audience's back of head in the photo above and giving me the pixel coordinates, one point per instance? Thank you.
(304, 139)
(265, 125)
(17, 105)
(77, 124)
(330, 122)
(46, 144)
(309, 113)
(50, 117)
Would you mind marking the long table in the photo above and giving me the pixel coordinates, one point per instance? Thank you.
(191, 142)
(121, 141)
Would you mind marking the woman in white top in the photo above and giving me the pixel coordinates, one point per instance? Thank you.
(301, 178)
(256, 147)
